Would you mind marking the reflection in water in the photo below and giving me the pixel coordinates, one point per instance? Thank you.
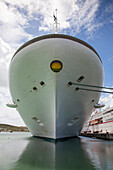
(39, 154)
(11, 147)
(23, 152)
(44, 154)
(100, 152)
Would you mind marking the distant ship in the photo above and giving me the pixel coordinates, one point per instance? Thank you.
(100, 122)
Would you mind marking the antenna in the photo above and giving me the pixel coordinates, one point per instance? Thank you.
(56, 25)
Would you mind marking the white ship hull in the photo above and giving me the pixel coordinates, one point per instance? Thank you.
(48, 105)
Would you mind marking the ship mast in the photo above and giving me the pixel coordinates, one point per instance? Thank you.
(56, 25)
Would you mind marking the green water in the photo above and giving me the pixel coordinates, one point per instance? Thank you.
(21, 151)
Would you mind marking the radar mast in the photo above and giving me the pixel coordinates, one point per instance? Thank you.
(56, 25)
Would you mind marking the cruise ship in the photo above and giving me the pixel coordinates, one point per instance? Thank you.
(44, 78)
(100, 122)
(55, 81)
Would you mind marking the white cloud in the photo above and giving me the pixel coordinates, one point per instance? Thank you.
(11, 16)
(5, 56)
(10, 116)
(3, 73)
(71, 13)
(12, 24)
(85, 17)
(4, 48)
(14, 35)
(107, 99)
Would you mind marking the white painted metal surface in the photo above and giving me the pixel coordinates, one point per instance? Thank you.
(55, 109)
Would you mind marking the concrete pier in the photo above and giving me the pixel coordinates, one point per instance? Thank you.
(107, 135)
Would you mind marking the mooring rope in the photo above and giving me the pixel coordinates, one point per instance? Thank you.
(100, 91)
(91, 86)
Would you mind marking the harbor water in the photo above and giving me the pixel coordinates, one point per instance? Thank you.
(21, 151)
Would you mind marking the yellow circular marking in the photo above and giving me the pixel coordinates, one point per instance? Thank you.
(56, 66)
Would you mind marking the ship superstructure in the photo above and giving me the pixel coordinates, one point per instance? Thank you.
(100, 122)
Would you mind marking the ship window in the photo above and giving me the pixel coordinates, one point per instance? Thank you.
(42, 83)
(80, 79)
(100, 120)
(35, 88)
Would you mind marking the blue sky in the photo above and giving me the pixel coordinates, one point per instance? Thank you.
(20, 21)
